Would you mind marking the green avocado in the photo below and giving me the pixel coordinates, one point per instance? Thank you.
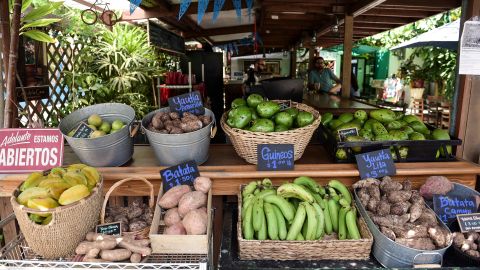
(383, 115)
(284, 119)
(240, 118)
(361, 115)
(238, 102)
(417, 136)
(263, 125)
(304, 119)
(253, 100)
(267, 109)
(345, 117)
(326, 118)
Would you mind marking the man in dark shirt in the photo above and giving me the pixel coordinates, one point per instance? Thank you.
(323, 76)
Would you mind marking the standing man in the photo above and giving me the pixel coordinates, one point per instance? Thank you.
(321, 77)
(251, 82)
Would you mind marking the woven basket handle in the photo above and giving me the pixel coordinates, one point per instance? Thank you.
(151, 202)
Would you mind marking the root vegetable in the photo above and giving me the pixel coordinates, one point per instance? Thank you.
(472, 236)
(145, 251)
(165, 117)
(458, 239)
(363, 196)
(388, 185)
(190, 126)
(400, 208)
(428, 218)
(175, 229)
(473, 253)
(206, 119)
(366, 183)
(85, 246)
(92, 253)
(94, 260)
(121, 218)
(374, 192)
(137, 226)
(435, 185)
(134, 212)
(171, 198)
(115, 255)
(388, 233)
(399, 196)
(416, 211)
(417, 243)
(148, 215)
(202, 184)
(372, 205)
(174, 115)
(391, 220)
(172, 217)
(440, 236)
(407, 185)
(190, 201)
(411, 231)
(135, 258)
(92, 236)
(168, 124)
(177, 123)
(140, 242)
(157, 122)
(383, 208)
(195, 222)
(468, 245)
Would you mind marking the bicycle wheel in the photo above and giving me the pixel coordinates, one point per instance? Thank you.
(89, 16)
(109, 17)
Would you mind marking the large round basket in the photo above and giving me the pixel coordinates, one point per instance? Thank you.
(245, 142)
(68, 227)
(140, 234)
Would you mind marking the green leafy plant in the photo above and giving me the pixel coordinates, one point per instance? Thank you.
(34, 17)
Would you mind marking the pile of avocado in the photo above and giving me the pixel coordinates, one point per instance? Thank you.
(258, 115)
(383, 125)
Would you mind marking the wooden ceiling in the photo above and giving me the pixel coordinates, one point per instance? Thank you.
(283, 24)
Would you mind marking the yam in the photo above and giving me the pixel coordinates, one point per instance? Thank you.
(148, 215)
(92, 253)
(172, 217)
(134, 211)
(388, 185)
(171, 198)
(202, 184)
(137, 225)
(399, 196)
(400, 208)
(435, 185)
(175, 229)
(165, 117)
(177, 123)
(363, 196)
(407, 185)
(135, 258)
(391, 220)
(383, 208)
(175, 130)
(366, 183)
(416, 211)
(190, 126)
(174, 115)
(427, 218)
(191, 201)
(372, 205)
(440, 236)
(206, 119)
(145, 251)
(94, 260)
(157, 122)
(388, 233)
(195, 222)
(374, 192)
(115, 255)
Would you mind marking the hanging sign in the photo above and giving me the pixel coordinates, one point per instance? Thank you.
(181, 174)
(217, 6)
(28, 150)
(469, 222)
(33, 93)
(189, 102)
(448, 207)
(275, 157)
(375, 164)
(114, 228)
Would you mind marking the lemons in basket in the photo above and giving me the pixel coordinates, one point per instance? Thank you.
(61, 186)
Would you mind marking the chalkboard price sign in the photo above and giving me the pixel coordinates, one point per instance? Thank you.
(114, 228)
(275, 157)
(344, 133)
(181, 174)
(448, 207)
(83, 131)
(375, 164)
(189, 102)
(285, 105)
(469, 222)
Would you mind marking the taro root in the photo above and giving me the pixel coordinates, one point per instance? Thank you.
(165, 117)
(190, 126)
(177, 123)
(176, 130)
(174, 115)
(157, 121)
(206, 119)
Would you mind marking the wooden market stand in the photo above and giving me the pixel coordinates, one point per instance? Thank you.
(228, 171)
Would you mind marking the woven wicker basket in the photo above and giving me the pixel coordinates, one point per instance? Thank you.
(140, 234)
(245, 142)
(68, 227)
(304, 250)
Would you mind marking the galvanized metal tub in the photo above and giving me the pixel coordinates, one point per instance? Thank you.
(172, 149)
(110, 150)
(393, 255)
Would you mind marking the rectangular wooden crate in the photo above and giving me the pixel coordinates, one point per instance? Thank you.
(175, 244)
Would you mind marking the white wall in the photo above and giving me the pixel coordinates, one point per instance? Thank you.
(237, 62)
(395, 63)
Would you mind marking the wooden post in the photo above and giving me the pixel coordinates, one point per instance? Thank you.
(2, 87)
(347, 56)
(11, 78)
(293, 63)
(5, 28)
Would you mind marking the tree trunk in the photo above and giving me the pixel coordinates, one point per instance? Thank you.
(11, 83)
(5, 27)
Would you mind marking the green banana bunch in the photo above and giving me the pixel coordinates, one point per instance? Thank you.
(291, 190)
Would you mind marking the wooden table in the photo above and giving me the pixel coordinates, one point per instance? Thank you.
(336, 105)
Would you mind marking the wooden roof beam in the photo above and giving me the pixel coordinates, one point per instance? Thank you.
(220, 31)
(396, 14)
(444, 4)
(382, 20)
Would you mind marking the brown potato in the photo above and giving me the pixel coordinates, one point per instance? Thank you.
(191, 201)
(202, 184)
(171, 198)
(175, 229)
(172, 217)
(195, 222)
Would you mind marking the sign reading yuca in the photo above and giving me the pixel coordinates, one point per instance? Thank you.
(26, 150)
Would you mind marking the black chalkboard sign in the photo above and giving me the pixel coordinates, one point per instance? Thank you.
(181, 174)
(189, 102)
(275, 157)
(164, 39)
(83, 131)
(375, 164)
(469, 222)
(448, 207)
(114, 228)
(285, 105)
(344, 133)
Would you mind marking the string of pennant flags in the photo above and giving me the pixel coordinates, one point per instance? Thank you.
(217, 7)
(134, 4)
(232, 47)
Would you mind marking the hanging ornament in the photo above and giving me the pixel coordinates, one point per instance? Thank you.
(217, 6)
(249, 9)
(237, 4)
(202, 7)
(134, 4)
(183, 8)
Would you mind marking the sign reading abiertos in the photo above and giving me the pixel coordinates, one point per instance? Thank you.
(26, 150)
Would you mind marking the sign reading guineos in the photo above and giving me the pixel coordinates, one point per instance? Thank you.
(275, 157)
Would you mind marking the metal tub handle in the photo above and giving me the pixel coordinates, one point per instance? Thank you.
(213, 130)
(428, 260)
(134, 128)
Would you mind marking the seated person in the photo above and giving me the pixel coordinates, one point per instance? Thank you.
(324, 76)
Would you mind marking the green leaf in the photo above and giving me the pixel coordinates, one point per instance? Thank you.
(40, 23)
(42, 11)
(39, 36)
(26, 4)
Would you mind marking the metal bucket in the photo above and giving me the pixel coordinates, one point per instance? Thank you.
(110, 150)
(391, 254)
(172, 149)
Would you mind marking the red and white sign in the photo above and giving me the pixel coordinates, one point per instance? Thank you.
(27, 150)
